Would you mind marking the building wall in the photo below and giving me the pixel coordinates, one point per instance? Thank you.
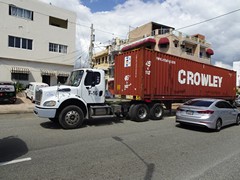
(197, 42)
(41, 33)
(236, 67)
(140, 32)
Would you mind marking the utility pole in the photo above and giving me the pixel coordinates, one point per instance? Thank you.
(92, 39)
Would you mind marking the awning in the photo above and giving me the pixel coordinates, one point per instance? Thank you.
(210, 51)
(45, 72)
(20, 70)
(163, 40)
(62, 74)
(139, 43)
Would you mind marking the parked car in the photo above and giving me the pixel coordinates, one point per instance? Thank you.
(237, 101)
(32, 88)
(7, 92)
(211, 113)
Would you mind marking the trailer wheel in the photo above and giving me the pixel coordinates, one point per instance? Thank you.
(156, 111)
(139, 112)
(71, 117)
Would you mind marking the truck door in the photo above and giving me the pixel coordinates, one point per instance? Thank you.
(94, 87)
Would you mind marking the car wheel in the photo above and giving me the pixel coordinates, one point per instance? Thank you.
(71, 117)
(156, 112)
(238, 120)
(218, 125)
(140, 112)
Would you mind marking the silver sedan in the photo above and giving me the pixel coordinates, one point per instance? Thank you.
(211, 113)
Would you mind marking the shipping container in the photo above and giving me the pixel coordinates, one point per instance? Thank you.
(148, 75)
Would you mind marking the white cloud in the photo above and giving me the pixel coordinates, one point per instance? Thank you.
(222, 33)
(222, 65)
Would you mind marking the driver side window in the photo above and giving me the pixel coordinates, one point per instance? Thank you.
(92, 78)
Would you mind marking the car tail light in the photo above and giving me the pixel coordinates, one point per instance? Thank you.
(206, 112)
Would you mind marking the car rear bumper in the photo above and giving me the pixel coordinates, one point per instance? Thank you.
(208, 124)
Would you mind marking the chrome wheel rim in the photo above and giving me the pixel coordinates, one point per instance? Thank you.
(142, 113)
(158, 112)
(72, 117)
(218, 125)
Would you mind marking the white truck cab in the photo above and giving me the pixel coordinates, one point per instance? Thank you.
(82, 97)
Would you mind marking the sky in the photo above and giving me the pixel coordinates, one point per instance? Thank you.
(114, 18)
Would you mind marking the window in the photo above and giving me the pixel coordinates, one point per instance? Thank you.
(19, 76)
(58, 48)
(92, 78)
(75, 78)
(163, 45)
(19, 12)
(18, 42)
(222, 104)
(189, 51)
(62, 79)
(58, 22)
(199, 103)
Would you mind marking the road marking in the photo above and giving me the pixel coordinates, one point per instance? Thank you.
(15, 161)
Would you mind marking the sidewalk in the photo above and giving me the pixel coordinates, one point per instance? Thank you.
(22, 105)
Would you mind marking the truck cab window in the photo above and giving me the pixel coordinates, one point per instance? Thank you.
(92, 78)
(75, 78)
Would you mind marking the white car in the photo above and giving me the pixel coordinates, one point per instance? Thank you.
(211, 113)
(32, 88)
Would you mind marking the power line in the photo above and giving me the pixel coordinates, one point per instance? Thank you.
(201, 22)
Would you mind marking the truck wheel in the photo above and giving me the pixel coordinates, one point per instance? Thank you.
(139, 112)
(156, 111)
(129, 115)
(71, 117)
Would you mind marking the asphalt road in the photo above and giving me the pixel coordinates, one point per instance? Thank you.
(34, 148)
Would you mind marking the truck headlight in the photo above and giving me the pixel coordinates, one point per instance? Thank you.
(49, 103)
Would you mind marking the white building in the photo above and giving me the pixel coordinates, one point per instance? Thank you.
(37, 42)
(236, 67)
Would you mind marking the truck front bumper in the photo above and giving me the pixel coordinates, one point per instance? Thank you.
(44, 112)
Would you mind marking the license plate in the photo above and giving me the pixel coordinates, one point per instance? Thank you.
(189, 112)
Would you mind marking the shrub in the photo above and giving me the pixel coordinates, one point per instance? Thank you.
(19, 87)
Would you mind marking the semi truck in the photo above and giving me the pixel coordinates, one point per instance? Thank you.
(146, 83)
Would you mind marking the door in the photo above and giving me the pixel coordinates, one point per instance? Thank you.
(93, 87)
(226, 112)
(232, 114)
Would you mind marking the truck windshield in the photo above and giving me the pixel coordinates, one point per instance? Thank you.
(75, 78)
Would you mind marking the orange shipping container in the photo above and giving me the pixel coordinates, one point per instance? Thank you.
(149, 75)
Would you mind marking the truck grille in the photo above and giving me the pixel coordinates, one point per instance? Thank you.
(38, 97)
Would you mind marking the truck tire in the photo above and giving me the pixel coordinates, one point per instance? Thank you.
(139, 112)
(156, 112)
(71, 117)
(129, 115)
